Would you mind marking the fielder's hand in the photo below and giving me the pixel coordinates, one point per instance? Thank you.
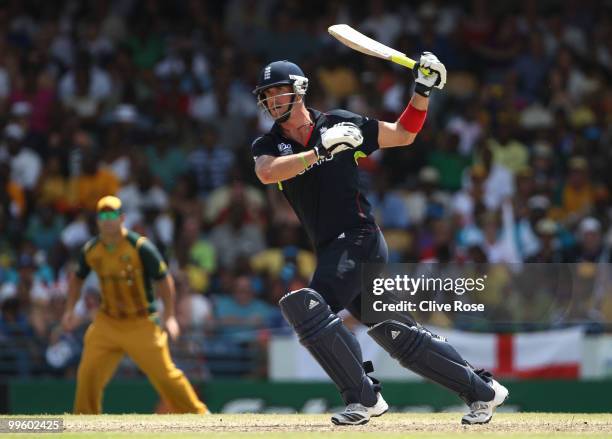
(437, 77)
(340, 137)
(172, 327)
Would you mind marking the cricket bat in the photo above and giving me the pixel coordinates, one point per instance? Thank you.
(361, 43)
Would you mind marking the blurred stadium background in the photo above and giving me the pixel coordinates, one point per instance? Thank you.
(150, 100)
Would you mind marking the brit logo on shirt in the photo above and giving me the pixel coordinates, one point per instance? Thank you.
(285, 149)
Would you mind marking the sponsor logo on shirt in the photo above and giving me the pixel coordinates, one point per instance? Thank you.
(318, 162)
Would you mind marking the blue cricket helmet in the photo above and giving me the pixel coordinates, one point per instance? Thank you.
(282, 73)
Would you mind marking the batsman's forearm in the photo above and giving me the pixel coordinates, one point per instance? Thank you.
(419, 102)
(165, 290)
(405, 129)
(273, 169)
(74, 291)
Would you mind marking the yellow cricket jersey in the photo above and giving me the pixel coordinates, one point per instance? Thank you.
(126, 272)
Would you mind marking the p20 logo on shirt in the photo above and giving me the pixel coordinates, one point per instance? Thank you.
(285, 149)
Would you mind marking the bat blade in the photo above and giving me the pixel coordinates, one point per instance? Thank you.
(361, 43)
(364, 44)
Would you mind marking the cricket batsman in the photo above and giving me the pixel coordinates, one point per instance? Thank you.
(130, 268)
(313, 158)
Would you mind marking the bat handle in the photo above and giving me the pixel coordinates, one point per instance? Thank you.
(407, 62)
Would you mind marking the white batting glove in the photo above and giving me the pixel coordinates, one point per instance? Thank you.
(340, 137)
(436, 77)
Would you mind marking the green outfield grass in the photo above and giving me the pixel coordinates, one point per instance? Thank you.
(294, 426)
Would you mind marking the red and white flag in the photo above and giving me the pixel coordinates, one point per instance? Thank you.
(543, 354)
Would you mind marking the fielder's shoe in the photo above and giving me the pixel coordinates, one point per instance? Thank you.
(481, 412)
(358, 414)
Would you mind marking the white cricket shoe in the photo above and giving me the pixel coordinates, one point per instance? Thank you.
(481, 412)
(358, 414)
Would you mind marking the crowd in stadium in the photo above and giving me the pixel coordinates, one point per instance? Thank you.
(151, 101)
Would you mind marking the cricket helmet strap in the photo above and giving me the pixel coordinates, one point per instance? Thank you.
(280, 73)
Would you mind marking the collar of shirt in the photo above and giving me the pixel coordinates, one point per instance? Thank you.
(315, 115)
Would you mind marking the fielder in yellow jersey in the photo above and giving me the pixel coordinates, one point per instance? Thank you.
(130, 268)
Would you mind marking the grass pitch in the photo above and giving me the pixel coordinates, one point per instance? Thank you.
(283, 426)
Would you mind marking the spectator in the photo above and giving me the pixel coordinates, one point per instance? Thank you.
(499, 240)
(467, 201)
(85, 104)
(500, 48)
(210, 162)
(44, 229)
(142, 195)
(5, 80)
(13, 321)
(285, 35)
(531, 68)
(85, 79)
(38, 91)
(194, 311)
(578, 194)
(448, 162)
(228, 105)
(238, 317)
(388, 206)
(429, 201)
(382, 23)
(53, 188)
(590, 246)
(94, 183)
(469, 129)
(25, 164)
(98, 45)
(77, 232)
(549, 250)
(196, 249)
(546, 177)
(14, 325)
(507, 151)
(221, 199)
(236, 237)
(11, 194)
(166, 160)
(184, 202)
(285, 260)
(498, 181)
(146, 45)
(337, 79)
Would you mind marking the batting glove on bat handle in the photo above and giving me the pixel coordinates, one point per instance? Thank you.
(437, 74)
